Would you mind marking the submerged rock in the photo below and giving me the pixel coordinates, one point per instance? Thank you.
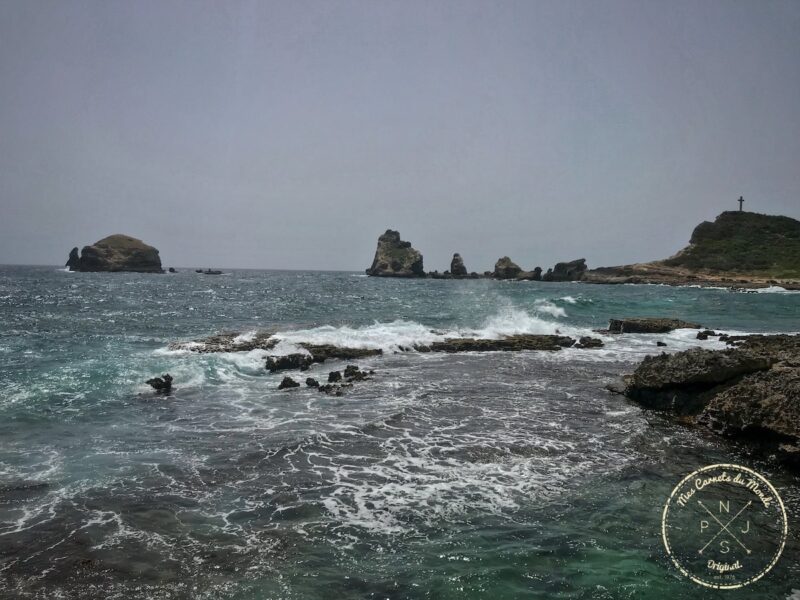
(288, 382)
(162, 385)
(589, 342)
(395, 258)
(648, 325)
(505, 268)
(457, 268)
(116, 253)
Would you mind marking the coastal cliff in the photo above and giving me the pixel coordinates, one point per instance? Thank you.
(737, 248)
(116, 253)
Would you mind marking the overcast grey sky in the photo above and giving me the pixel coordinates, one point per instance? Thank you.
(291, 134)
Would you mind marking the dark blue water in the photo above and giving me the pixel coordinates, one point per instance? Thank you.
(445, 476)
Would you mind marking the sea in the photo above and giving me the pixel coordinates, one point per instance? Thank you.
(444, 476)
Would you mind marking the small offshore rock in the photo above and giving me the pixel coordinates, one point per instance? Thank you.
(589, 342)
(290, 361)
(660, 343)
(457, 268)
(288, 382)
(162, 385)
(351, 370)
(311, 382)
(648, 325)
(505, 268)
(334, 376)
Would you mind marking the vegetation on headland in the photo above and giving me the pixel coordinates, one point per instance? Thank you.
(745, 243)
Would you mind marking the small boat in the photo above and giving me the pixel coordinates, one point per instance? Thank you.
(210, 272)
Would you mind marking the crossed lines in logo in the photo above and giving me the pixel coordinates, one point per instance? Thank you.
(724, 527)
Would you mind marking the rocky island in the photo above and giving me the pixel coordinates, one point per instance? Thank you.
(739, 249)
(116, 253)
(395, 258)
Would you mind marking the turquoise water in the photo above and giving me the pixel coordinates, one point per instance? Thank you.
(445, 476)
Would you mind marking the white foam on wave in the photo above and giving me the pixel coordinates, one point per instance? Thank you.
(773, 289)
(548, 308)
(569, 300)
(390, 336)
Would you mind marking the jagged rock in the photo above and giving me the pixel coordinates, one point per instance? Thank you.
(648, 325)
(334, 376)
(766, 403)
(162, 385)
(311, 382)
(228, 342)
(659, 343)
(289, 361)
(704, 335)
(535, 275)
(682, 382)
(116, 253)
(505, 268)
(395, 258)
(351, 370)
(457, 267)
(589, 342)
(566, 271)
(751, 390)
(74, 260)
(288, 382)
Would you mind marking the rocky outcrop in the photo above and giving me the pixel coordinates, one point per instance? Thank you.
(505, 268)
(287, 383)
(457, 268)
(74, 260)
(566, 271)
(513, 343)
(116, 253)
(395, 258)
(162, 385)
(648, 325)
(751, 390)
(535, 275)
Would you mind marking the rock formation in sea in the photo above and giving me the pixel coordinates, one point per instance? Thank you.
(566, 271)
(505, 268)
(648, 325)
(751, 390)
(457, 268)
(737, 249)
(74, 260)
(395, 258)
(116, 253)
(535, 275)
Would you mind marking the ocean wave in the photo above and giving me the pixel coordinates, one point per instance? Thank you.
(393, 335)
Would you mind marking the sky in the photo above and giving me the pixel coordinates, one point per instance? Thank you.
(289, 135)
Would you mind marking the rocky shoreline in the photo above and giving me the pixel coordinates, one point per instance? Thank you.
(739, 251)
(749, 391)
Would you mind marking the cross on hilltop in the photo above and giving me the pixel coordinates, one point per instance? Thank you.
(740, 201)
